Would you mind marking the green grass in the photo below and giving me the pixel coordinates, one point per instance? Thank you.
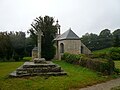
(77, 77)
(106, 50)
(117, 64)
(27, 58)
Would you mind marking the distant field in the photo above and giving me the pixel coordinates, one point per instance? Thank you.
(77, 77)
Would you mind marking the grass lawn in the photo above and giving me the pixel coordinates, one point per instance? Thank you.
(77, 77)
(117, 64)
(106, 50)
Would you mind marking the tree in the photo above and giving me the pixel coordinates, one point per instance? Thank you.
(5, 46)
(49, 32)
(90, 40)
(29, 45)
(105, 39)
(18, 44)
(116, 38)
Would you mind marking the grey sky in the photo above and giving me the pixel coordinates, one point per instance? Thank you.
(82, 16)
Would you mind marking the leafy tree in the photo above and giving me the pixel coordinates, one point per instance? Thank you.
(18, 44)
(49, 31)
(116, 38)
(29, 45)
(96, 42)
(105, 39)
(90, 40)
(5, 46)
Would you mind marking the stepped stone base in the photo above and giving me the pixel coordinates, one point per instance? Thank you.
(38, 67)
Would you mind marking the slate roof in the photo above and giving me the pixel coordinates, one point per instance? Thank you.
(68, 35)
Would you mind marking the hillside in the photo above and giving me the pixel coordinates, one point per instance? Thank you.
(112, 53)
(106, 50)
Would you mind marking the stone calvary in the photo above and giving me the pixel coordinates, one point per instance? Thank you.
(39, 66)
(66, 42)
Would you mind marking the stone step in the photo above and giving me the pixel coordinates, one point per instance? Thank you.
(14, 74)
(33, 65)
(38, 70)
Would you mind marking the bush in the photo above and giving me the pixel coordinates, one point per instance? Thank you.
(27, 59)
(99, 55)
(114, 53)
(101, 65)
(71, 58)
(117, 71)
(98, 64)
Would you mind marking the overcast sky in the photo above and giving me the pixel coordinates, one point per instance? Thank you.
(81, 16)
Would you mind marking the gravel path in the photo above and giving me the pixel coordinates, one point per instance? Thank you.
(104, 86)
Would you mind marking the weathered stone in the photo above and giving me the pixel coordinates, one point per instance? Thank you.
(71, 43)
(33, 69)
(39, 60)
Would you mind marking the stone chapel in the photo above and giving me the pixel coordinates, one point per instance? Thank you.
(71, 43)
(66, 42)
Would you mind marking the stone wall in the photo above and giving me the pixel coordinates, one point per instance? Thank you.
(85, 49)
(34, 53)
(70, 46)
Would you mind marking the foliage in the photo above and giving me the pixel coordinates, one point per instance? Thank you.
(77, 77)
(117, 70)
(12, 46)
(29, 45)
(105, 39)
(5, 46)
(109, 53)
(116, 42)
(45, 24)
(90, 40)
(71, 58)
(114, 53)
(116, 38)
(17, 40)
(101, 65)
(27, 58)
(117, 64)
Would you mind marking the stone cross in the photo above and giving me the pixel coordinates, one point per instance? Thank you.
(39, 43)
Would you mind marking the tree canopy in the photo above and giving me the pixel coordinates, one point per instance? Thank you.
(105, 39)
(46, 25)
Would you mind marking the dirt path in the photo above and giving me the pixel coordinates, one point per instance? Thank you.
(104, 86)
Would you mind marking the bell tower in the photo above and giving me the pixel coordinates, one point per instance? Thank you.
(58, 28)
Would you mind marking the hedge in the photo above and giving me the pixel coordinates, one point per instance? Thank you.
(101, 65)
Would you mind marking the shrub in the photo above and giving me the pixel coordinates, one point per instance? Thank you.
(98, 64)
(117, 71)
(114, 53)
(27, 58)
(99, 55)
(71, 58)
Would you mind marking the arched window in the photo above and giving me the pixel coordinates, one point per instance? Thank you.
(61, 48)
